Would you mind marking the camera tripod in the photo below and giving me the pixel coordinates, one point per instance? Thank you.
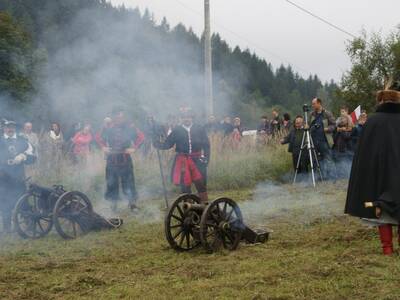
(308, 148)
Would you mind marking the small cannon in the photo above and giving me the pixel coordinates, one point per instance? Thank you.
(71, 213)
(189, 224)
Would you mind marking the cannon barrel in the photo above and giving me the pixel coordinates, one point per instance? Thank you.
(193, 206)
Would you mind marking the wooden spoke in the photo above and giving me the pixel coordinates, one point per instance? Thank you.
(224, 209)
(176, 226)
(177, 218)
(74, 227)
(180, 211)
(181, 240)
(178, 233)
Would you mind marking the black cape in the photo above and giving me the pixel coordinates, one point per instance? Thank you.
(375, 174)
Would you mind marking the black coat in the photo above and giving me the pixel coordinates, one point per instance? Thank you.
(376, 165)
(294, 139)
(179, 138)
(119, 138)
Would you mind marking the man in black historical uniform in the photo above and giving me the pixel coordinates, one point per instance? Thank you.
(15, 152)
(322, 125)
(119, 142)
(374, 179)
(192, 155)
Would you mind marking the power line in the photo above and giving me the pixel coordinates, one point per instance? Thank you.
(240, 37)
(321, 19)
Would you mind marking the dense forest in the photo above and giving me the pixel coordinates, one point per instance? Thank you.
(74, 59)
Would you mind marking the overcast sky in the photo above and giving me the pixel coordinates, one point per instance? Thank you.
(282, 33)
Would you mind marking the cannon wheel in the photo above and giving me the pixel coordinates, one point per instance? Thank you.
(31, 220)
(179, 224)
(70, 213)
(221, 225)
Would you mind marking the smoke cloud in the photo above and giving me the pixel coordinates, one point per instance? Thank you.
(301, 202)
(106, 61)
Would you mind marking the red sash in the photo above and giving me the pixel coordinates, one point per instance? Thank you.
(186, 167)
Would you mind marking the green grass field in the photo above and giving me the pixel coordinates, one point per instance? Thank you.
(314, 252)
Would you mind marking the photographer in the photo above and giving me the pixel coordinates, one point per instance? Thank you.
(322, 124)
(294, 139)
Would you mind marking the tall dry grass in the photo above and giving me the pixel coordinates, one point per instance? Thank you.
(232, 166)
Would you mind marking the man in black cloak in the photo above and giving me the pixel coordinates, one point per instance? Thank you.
(374, 187)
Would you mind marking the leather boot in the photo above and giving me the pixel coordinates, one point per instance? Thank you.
(386, 236)
(203, 197)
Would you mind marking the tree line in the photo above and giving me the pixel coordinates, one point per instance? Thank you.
(91, 54)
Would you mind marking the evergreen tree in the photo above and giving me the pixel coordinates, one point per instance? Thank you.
(18, 60)
(93, 46)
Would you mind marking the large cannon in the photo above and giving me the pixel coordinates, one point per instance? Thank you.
(71, 213)
(190, 223)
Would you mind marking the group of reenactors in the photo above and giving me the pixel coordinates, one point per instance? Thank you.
(118, 141)
(373, 192)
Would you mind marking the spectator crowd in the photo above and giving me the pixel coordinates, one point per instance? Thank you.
(335, 139)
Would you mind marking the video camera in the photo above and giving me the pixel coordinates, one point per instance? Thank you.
(306, 110)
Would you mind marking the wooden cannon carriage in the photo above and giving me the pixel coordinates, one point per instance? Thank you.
(71, 213)
(189, 224)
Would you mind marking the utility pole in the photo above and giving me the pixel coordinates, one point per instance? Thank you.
(208, 77)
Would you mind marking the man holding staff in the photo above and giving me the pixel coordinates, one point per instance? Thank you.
(192, 154)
